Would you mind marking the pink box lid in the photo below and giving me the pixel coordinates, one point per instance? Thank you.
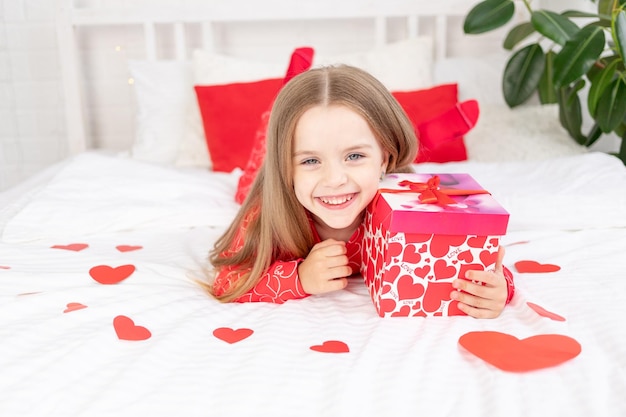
(478, 214)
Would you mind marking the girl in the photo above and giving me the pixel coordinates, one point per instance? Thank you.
(333, 133)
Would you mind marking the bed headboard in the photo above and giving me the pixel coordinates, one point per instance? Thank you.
(171, 29)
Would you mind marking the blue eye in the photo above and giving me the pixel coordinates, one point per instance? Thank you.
(354, 156)
(310, 161)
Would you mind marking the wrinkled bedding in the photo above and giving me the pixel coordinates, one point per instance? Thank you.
(100, 312)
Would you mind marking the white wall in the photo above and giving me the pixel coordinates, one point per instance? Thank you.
(32, 126)
(31, 106)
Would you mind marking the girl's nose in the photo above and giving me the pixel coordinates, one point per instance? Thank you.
(335, 175)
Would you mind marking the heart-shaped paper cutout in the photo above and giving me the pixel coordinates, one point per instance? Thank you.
(408, 289)
(411, 255)
(126, 329)
(128, 248)
(545, 313)
(4, 267)
(436, 293)
(488, 258)
(73, 307)
(508, 353)
(105, 274)
(443, 270)
(76, 247)
(231, 336)
(535, 267)
(331, 346)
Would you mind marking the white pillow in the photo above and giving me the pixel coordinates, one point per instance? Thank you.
(478, 78)
(163, 96)
(400, 66)
(168, 123)
(527, 133)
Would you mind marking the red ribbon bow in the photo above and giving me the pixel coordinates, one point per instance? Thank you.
(430, 192)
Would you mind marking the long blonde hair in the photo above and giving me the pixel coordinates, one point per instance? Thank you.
(281, 229)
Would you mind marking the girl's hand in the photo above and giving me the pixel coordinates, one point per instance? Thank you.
(326, 268)
(487, 297)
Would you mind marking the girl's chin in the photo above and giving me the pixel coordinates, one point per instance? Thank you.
(340, 223)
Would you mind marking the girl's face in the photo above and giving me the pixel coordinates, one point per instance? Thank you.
(337, 167)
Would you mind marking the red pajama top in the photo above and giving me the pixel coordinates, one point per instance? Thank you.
(281, 281)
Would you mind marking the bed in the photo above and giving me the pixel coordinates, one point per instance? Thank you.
(101, 314)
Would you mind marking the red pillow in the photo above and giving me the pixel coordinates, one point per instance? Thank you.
(423, 105)
(230, 115)
(435, 116)
(441, 138)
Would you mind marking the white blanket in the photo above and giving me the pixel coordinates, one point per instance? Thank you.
(62, 347)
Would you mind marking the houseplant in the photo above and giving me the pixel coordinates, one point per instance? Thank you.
(557, 54)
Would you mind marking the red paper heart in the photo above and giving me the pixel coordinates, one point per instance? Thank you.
(231, 336)
(4, 267)
(436, 293)
(407, 290)
(392, 273)
(535, 267)
(105, 274)
(488, 258)
(440, 245)
(511, 354)
(443, 270)
(387, 305)
(477, 241)
(410, 255)
(76, 247)
(126, 329)
(331, 346)
(405, 311)
(422, 272)
(545, 313)
(395, 249)
(128, 248)
(73, 307)
(466, 256)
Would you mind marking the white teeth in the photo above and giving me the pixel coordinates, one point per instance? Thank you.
(336, 200)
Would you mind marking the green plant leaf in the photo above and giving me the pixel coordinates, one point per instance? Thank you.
(599, 83)
(554, 26)
(622, 149)
(611, 108)
(488, 15)
(577, 13)
(578, 55)
(522, 74)
(601, 65)
(547, 92)
(518, 34)
(605, 8)
(619, 33)
(570, 113)
(594, 134)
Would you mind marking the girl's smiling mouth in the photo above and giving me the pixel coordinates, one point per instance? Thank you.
(337, 201)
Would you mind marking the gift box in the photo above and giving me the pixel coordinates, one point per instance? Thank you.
(423, 231)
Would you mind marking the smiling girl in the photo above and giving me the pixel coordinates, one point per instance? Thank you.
(333, 133)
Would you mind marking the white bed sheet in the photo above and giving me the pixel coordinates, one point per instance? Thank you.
(60, 354)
